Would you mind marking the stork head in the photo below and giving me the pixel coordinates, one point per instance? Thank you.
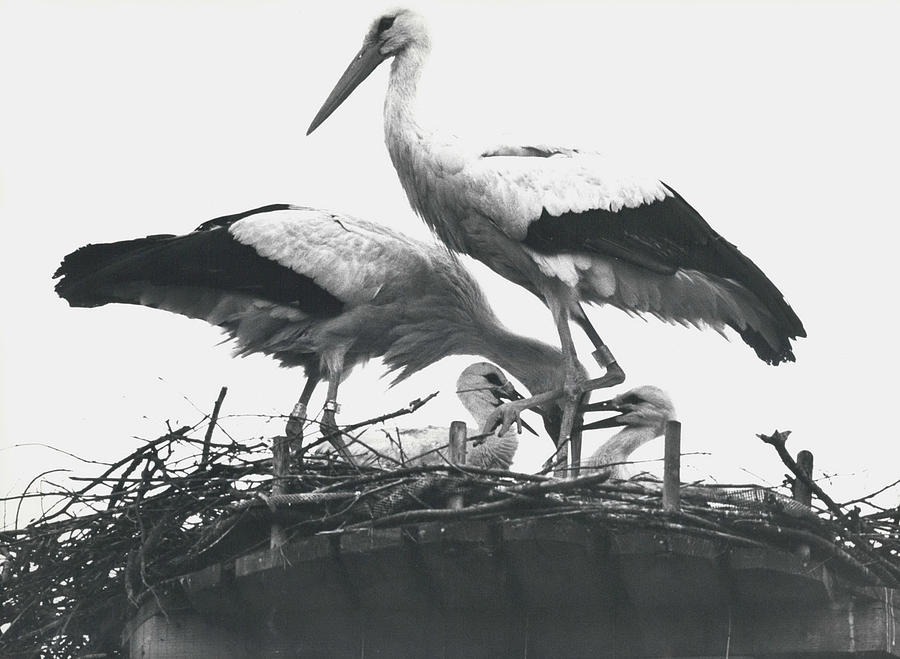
(482, 387)
(395, 31)
(391, 34)
(642, 407)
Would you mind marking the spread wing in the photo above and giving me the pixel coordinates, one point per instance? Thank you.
(559, 202)
(197, 272)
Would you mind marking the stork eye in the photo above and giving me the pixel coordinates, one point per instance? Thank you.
(632, 399)
(385, 23)
(494, 379)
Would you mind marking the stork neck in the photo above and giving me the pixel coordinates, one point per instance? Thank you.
(624, 443)
(400, 122)
(495, 452)
(479, 404)
(537, 365)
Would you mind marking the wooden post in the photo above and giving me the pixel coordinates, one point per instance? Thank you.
(281, 460)
(799, 489)
(671, 497)
(803, 494)
(457, 456)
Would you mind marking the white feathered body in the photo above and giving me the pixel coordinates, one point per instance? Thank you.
(524, 210)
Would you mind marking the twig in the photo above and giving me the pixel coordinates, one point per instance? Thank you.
(59, 450)
(28, 487)
(869, 496)
(778, 440)
(409, 409)
(213, 420)
(149, 445)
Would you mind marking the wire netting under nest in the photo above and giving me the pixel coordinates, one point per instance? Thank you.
(72, 578)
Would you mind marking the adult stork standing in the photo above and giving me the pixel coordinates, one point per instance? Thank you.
(481, 388)
(644, 412)
(313, 289)
(568, 225)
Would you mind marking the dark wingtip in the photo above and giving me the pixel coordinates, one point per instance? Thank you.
(770, 355)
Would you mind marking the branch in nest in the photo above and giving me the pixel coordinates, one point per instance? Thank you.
(778, 439)
(409, 409)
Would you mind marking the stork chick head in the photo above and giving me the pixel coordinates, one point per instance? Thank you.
(482, 387)
(485, 382)
(642, 407)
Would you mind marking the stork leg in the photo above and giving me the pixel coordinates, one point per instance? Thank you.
(329, 425)
(294, 428)
(602, 354)
(572, 393)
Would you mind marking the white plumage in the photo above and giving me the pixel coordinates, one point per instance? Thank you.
(314, 289)
(644, 411)
(481, 388)
(568, 225)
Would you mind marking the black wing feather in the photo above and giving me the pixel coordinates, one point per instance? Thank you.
(228, 220)
(209, 258)
(664, 237)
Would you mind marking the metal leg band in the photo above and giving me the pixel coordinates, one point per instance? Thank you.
(603, 356)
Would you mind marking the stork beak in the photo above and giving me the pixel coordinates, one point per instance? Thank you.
(509, 392)
(368, 58)
(604, 406)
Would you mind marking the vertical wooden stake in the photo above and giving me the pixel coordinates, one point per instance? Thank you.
(281, 460)
(799, 489)
(671, 498)
(457, 456)
(803, 494)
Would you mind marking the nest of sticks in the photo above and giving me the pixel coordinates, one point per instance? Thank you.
(182, 502)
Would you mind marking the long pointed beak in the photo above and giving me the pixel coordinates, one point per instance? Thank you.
(509, 392)
(603, 406)
(366, 60)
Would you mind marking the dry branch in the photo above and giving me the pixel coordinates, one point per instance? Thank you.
(174, 506)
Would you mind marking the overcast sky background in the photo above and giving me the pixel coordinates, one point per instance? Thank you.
(778, 122)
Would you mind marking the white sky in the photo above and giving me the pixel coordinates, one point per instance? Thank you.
(778, 122)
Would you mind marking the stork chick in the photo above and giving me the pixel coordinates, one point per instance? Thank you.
(644, 411)
(481, 388)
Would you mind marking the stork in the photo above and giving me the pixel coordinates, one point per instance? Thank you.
(644, 411)
(313, 289)
(481, 388)
(570, 226)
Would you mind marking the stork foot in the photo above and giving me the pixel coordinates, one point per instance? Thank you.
(508, 413)
(333, 433)
(505, 415)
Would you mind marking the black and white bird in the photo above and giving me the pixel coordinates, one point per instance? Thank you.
(313, 289)
(644, 411)
(481, 388)
(569, 225)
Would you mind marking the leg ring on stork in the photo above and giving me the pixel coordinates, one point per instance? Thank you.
(329, 428)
